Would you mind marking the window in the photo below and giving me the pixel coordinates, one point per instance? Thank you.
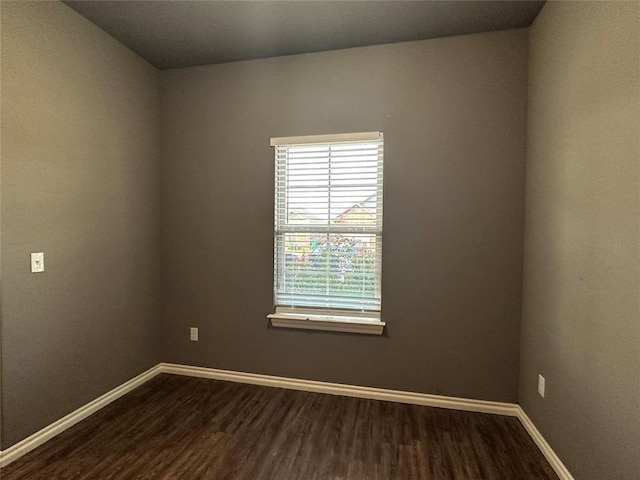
(328, 232)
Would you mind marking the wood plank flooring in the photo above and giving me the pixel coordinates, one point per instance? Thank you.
(177, 427)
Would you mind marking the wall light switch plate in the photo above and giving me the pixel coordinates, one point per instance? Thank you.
(193, 332)
(37, 262)
(541, 385)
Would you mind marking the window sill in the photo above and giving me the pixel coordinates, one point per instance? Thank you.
(333, 323)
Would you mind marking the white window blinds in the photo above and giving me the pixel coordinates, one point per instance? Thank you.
(328, 221)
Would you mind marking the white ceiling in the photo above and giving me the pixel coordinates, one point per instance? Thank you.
(172, 34)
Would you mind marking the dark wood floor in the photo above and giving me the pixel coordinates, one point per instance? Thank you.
(188, 428)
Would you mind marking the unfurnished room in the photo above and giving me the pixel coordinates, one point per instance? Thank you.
(320, 240)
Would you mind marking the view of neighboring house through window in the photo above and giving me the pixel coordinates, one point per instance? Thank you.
(328, 221)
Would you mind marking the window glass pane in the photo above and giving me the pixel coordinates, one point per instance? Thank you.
(319, 265)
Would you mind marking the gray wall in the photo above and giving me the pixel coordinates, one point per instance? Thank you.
(581, 313)
(80, 181)
(453, 112)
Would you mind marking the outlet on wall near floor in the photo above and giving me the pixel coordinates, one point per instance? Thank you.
(37, 262)
(541, 385)
(193, 332)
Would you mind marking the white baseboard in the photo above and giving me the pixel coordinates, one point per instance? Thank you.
(481, 406)
(553, 459)
(33, 441)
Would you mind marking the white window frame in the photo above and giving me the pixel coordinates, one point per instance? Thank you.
(317, 318)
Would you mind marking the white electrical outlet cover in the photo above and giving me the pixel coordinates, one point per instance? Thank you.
(193, 334)
(37, 262)
(541, 385)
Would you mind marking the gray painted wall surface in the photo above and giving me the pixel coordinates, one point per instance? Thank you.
(581, 308)
(453, 112)
(80, 181)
